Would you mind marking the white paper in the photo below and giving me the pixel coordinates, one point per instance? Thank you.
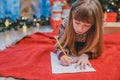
(57, 68)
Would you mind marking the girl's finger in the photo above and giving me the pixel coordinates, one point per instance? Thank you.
(74, 61)
(89, 64)
(65, 61)
(82, 65)
(78, 63)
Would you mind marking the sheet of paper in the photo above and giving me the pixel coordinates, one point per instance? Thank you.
(57, 68)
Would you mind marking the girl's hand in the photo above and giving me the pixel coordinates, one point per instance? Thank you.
(83, 61)
(65, 60)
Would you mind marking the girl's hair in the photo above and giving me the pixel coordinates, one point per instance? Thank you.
(89, 11)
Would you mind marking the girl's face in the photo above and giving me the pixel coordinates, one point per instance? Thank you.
(81, 27)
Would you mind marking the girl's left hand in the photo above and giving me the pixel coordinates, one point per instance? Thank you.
(83, 61)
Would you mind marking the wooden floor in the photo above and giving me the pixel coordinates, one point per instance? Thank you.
(8, 38)
(108, 30)
(111, 27)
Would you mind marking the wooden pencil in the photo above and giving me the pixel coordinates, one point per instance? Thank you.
(60, 46)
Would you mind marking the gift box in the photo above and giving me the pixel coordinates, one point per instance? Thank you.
(111, 17)
(55, 23)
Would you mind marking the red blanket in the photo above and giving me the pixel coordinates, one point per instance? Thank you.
(30, 59)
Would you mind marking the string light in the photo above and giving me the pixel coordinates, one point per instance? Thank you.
(35, 20)
(108, 10)
(38, 25)
(24, 27)
(113, 3)
(7, 23)
(47, 19)
(24, 18)
(119, 10)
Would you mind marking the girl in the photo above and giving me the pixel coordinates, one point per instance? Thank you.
(80, 34)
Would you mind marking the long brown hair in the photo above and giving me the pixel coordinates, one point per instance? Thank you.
(89, 11)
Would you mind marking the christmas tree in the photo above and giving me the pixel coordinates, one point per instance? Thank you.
(112, 7)
(109, 6)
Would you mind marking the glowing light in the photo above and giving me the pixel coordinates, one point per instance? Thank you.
(47, 19)
(112, 3)
(38, 25)
(119, 9)
(7, 23)
(108, 10)
(24, 18)
(24, 28)
(35, 20)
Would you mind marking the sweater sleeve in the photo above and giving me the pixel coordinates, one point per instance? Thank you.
(60, 53)
(61, 32)
(62, 27)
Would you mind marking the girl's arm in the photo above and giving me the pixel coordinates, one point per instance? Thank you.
(64, 60)
(61, 32)
(62, 27)
(60, 53)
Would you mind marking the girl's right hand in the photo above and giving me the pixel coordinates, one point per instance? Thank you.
(65, 60)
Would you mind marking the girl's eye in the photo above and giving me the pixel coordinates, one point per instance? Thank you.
(87, 25)
(77, 22)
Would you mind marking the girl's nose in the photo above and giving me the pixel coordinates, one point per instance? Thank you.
(80, 28)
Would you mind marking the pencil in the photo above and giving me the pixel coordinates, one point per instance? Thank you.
(60, 46)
